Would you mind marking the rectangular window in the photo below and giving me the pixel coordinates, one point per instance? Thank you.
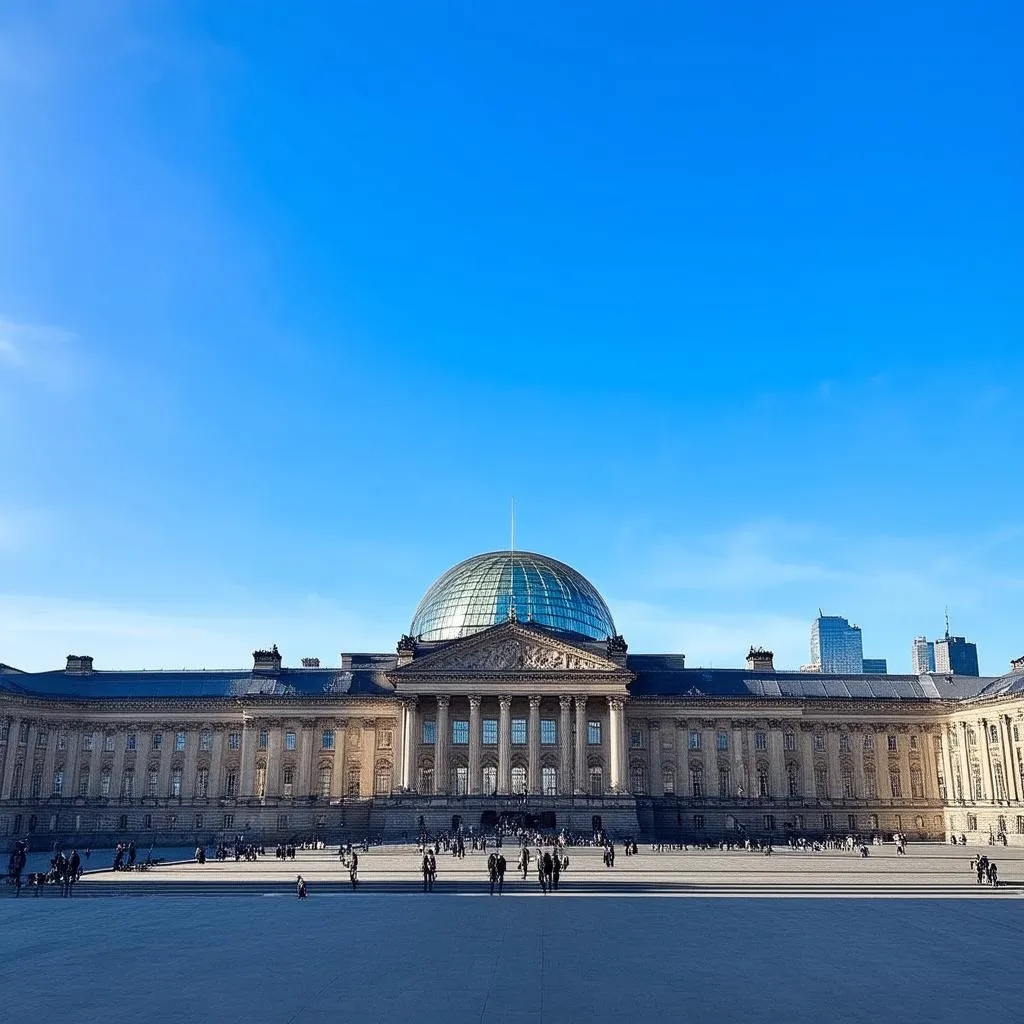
(176, 782)
(722, 741)
(264, 740)
(289, 741)
(694, 740)
(826, 822)
(895, 783)
(158, 741)
(913, 743)
(23, 732)
(288, 780)
(698, 822)
(490, 732)
(490, 780)
(821, 783)
(87, 741)
(179, 740)
(460, 731)
(205, 740)
(844, 742)
(105, 784)
(549, 781)
(42, 738)
(596, 776)
(147, 821)
(202, 788)
(230, 782)
(282, 821)
(83, 784)
(324, 782)
(819, 741)
(327, 739)
(869, 743)
(870, 783)
(58, 782)
(972, 823)
(429, 730)
(847, 783)
(108, 743)
(153, 782)
(548, 731)
(636, 739)
(790, 742)
(1020, 824)
(62, 738)
(668, 781)
(234, 740)
(768, 823)
(594, 734)
(519, 731)
(893, 748)
(1016, 733)
(760, 741)
(229, 820)
(130, 742)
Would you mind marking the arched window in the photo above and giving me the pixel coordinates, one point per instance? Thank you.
(58, 782)
(382, 780)
(895, 782)
(997, 771)
(596, 776)
(426, 785)
(976, 777)
(490, 780)
(724, 776)
(638, 779)
(916, 782)
(763, 783)
(323, 782)
(847, 780)
(668, 781)
(353, 782)
(288, 781)
(518, 780)
(202, 783)
(260, 787)
(792, 780)
(127, 784)
(230, 782)
(697, 780)
(549, 781)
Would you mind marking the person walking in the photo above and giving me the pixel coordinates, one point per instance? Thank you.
(993, 874)
(353, 869)
(549, 868)
(524, 861)
(499, 866)
(300, 887)
(541, 877)
(556, 870)
(492, 871)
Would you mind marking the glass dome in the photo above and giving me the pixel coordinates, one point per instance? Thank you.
(481, 592)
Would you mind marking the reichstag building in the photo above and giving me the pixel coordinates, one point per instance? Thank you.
(511, 697)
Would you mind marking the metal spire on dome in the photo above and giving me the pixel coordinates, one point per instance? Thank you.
(512, 617)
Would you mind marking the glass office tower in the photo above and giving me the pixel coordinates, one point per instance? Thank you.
(836, 646)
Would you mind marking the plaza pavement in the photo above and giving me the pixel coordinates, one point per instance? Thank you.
(928, 870)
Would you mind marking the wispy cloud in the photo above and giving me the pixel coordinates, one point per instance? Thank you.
(42, 354)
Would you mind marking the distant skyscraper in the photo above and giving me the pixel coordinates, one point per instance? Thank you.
(922, 656)
(836, 646)
(953, 654)
(875, 666)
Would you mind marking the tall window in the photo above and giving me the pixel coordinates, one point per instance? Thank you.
(638, 779)
(518, 780)
(83, 782)
(230, 782)
(289, 741)
(176, 782)
(42, 738)
(353, 782)
(893, 746)
(323, 782)
(916, 782)
(847, 783)
(87, 742)
(158, 741)
(129, 744)
(668, 781)
(549, 781)
(976, 776)
(490, 732)
(789, 741)
(205, 739)
(763, 785)
(997, 771)
(596, 777)
(58, 782)
(636, 739)
(490, 780)
(264, 739)
(821, 782)
(327, 739)
(993, 734)
(724, 788)
(460, 780)
(722, 741)
(694, 740)
(382, 781)
(870, 781)
(179, 740)
(234, 740)
(895, 782)
(697, 780)
(260, 786)
(127, 784)
(202, 783)
(460, 731)
(429, 731)
(793, 780)
(108, 743)
(869, 742)
(152, 782)
(760, 741)
(426, 781)
(519, 731)
(594, 734)
(844, 741)
(288, 781)
(105, 783)
(819, 741)
(548, 731)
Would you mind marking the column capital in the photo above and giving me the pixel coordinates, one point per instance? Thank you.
(565, 702)
(474, 702)
(505, 700)
(581, 701)
(443, 700)
(534, 702)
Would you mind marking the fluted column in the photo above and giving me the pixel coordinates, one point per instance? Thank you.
(246, 759)
(340, 726)
(565, 745)
(806, 743)
(305, 738)
(13, 732)
(682, 756)
(1009, 768)
(581, 744)
(655, 784)
(776, 761)
(987, 775)
(504, 743)
(533, 775)
(964, 756)
(215, 787)
(410, 744)
(274, 741)
(441, 745)
(857, 752)
(475, 770)
(50, 761)
(614, 747)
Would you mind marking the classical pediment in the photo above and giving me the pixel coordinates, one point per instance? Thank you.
(510, 647)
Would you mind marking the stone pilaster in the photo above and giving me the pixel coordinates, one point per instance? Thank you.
(582, 781)
(441, 742)
(565, 745)
(533, 774)
(504, 744)
(475, 767)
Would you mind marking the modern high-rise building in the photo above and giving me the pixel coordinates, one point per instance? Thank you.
(956, 655)
(836, 646)
(876, 666)
(922, 656)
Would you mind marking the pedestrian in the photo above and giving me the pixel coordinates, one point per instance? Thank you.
(352, 871)
(492, 871)
(300, 887)
(549, 869)
(993, 874)
(541, 877)
(499, 865)
(556, 870)
(524, 861)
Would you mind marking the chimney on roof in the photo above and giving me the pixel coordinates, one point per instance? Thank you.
(346, 663)
(310, 662)
(79, 664)
(267, 661)
(1017, 664)
(406, 649)
(760, 660)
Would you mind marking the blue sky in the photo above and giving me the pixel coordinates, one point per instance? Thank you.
(293, 298)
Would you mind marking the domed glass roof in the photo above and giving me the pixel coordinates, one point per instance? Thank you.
(481, 592)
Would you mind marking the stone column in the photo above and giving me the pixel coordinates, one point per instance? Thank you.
(947, 766)
(739, 776)
(215, 789)
(620, 710)
(582, 782)
(965, 765)
(441, 745)
(411, 744)
(50, 761)
(806, 742)
(504, 744)
(246, 759)
(475, 768)
(987, 775)
(274, 741)
(12, 755)
(533, 745)
(655, 784)
(857, 753)
(305, 752)
(565, 745)
(72, 756)
(1009, 767)
(835, 775)
(614, 742)
(882, 765)
(682, 757)
(776, 761)
(340, 726)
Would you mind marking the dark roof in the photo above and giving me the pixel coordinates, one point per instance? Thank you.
(664, 675)
(1003, 686)
(366, 678)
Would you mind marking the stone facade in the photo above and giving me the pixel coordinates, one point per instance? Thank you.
(513, 721)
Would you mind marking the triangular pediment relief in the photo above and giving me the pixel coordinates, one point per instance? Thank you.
(510, 647)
